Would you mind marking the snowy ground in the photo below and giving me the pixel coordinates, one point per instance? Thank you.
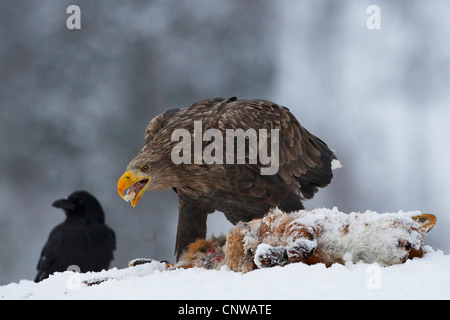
(424, 278)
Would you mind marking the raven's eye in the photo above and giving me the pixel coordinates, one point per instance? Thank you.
(145, 168)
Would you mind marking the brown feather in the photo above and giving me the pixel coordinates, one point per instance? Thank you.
(239, 191)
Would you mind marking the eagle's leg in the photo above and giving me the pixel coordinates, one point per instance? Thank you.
(191, 223)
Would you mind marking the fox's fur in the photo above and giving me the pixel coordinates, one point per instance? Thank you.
(318, 236)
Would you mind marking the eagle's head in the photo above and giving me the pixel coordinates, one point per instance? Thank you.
(148, 170)
(136, 179)
(144, 172)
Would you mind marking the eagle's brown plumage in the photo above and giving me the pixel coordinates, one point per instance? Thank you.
(237, 190)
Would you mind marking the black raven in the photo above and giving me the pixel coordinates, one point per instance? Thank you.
(82, 240)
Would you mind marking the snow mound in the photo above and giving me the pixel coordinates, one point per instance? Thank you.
(419, 278)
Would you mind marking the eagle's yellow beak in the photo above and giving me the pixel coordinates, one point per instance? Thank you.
(137, 185)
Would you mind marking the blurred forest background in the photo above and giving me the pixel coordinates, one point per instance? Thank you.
(74, 104)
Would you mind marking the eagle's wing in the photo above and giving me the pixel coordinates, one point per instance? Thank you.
(304, 159)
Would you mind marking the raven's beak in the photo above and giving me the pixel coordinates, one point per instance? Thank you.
(64, 204)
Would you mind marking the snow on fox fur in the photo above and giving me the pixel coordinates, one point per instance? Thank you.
(317, 236)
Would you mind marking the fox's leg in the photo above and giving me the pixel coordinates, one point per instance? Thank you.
(301, 249)
(300, 245)
(303, 242)
(267, 256)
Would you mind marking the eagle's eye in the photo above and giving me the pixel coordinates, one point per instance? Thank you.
(145, 168)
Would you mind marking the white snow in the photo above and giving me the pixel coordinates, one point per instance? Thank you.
(424, 278)
(336, 164)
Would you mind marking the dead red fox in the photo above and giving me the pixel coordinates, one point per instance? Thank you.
(317, 236)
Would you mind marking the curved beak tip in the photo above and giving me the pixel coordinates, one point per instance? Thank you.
(124, 182)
